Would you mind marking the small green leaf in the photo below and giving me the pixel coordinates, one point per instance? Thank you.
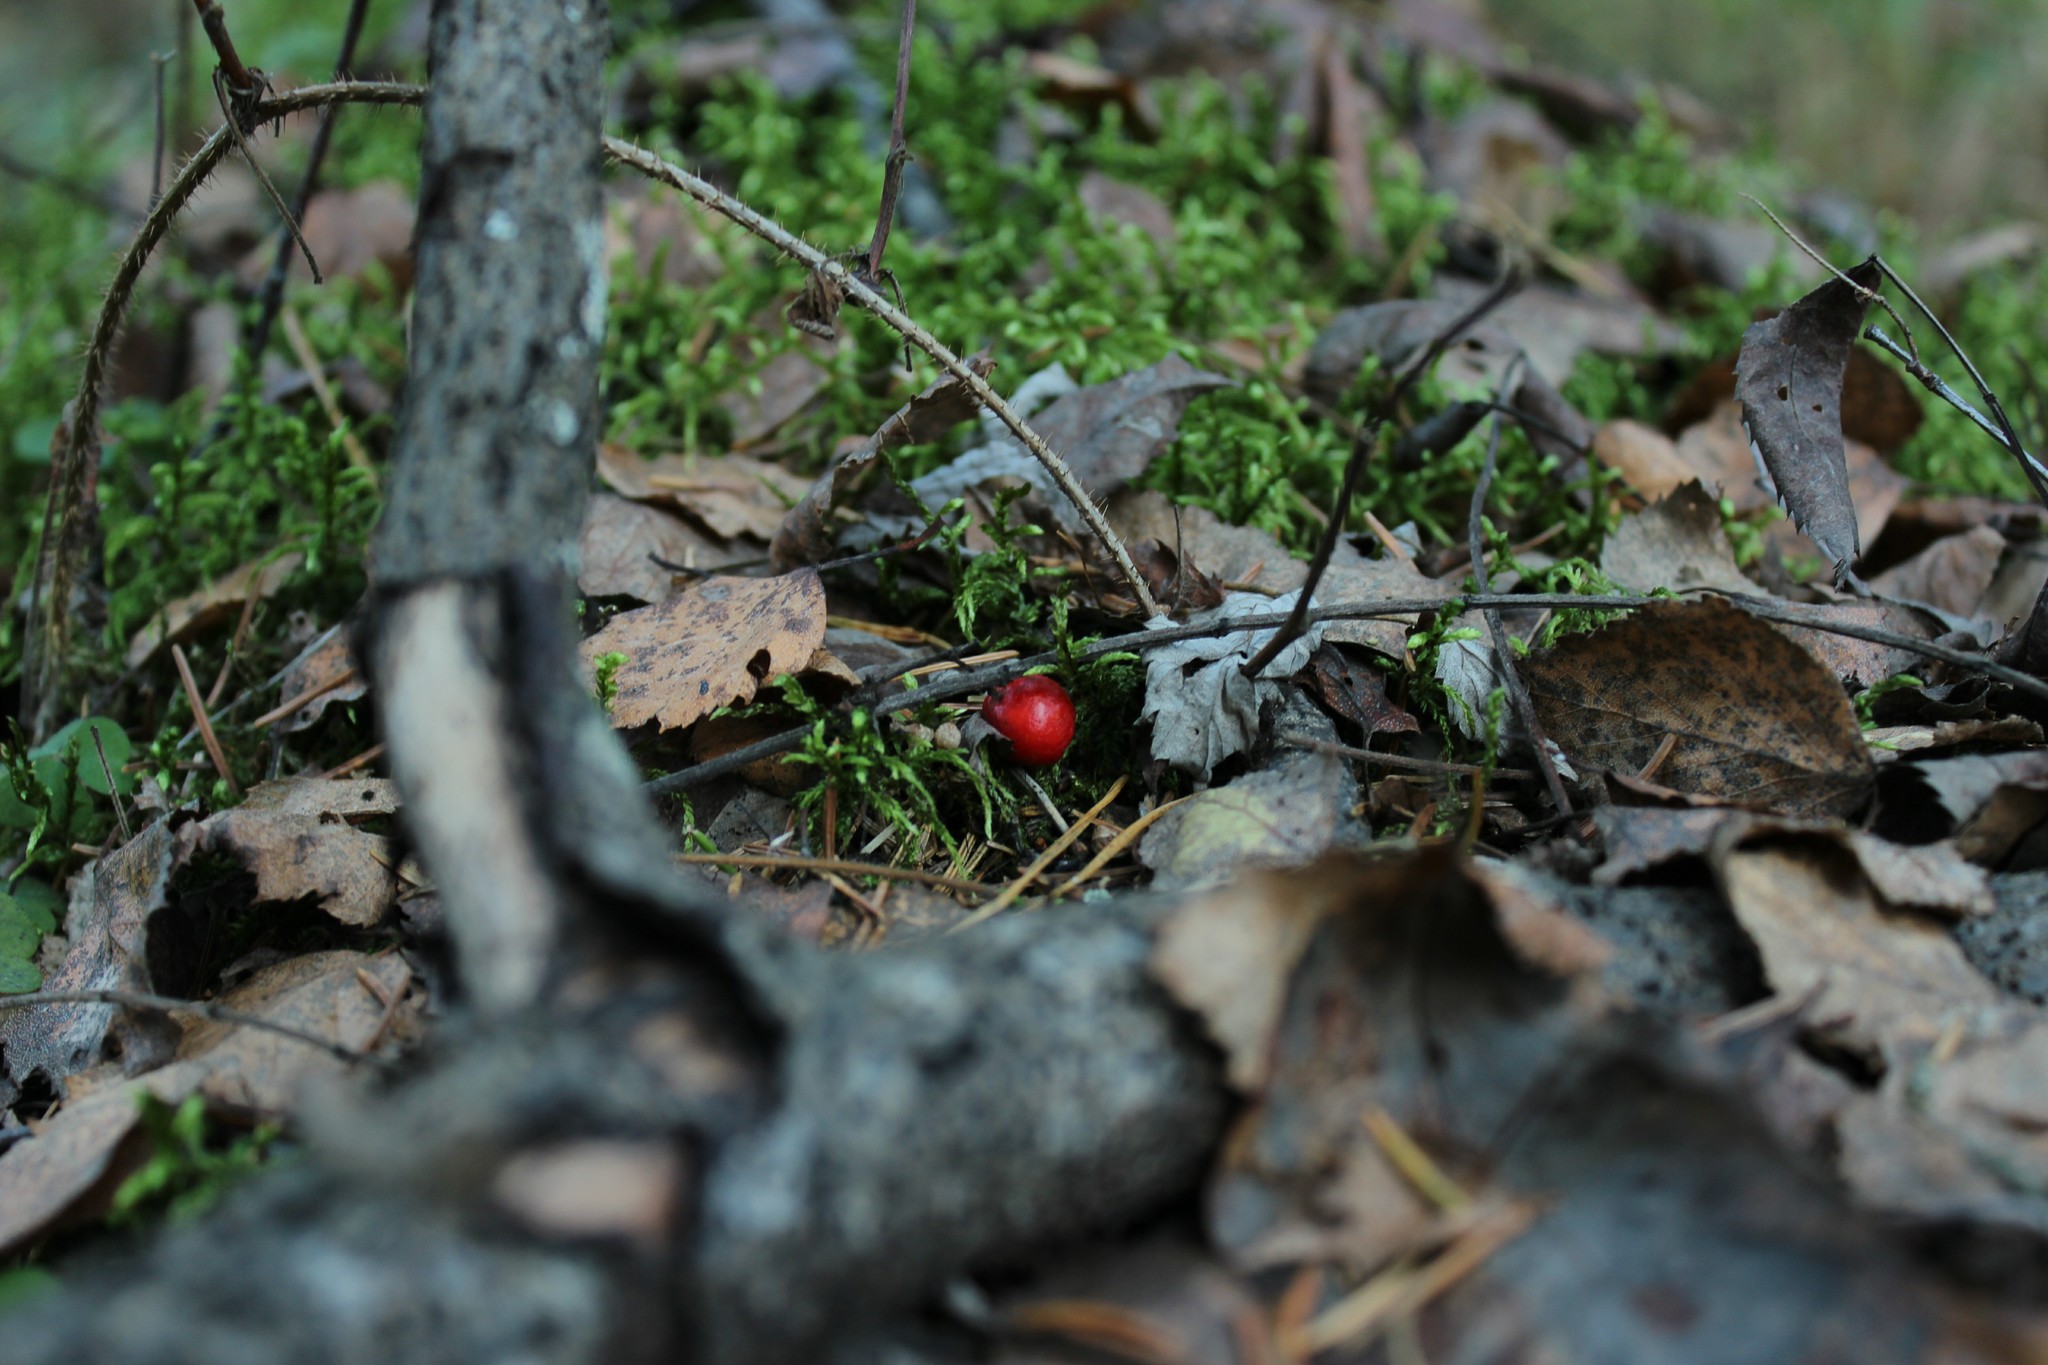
(18, 977)
(15, 813)
(18, 937)
(40, 902)
(115, 741)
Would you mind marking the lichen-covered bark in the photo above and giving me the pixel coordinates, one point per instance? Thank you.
(508, 316)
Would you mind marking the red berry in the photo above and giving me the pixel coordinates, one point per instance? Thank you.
(1036, 715)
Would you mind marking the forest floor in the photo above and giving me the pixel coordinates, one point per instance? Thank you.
(1325, 292)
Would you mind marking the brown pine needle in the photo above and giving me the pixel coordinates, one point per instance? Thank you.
(1043, 861)
(305, 698)
(206, 734)
(1413, 1163)
(1115, 846)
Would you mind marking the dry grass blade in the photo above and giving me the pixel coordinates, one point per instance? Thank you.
(1044, 860)
(199, 716)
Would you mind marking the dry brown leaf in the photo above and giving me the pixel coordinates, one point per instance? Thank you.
(295, 837)
(1756, 718)
(112, 904)
(1228, 957)
(710, 647)
(804, 535)
(1859, 663)
(1952, 574)
(1879, 978)
(212, 605)
(781, 389)
(732, 495)
(1647, 459)
(70, 1168)
(1788, 381)
(1677, 543)
(1282, 816)
(1248, 557)
(620, 538)
(322, 664)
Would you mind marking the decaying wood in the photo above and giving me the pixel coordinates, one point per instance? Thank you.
(823, 1140)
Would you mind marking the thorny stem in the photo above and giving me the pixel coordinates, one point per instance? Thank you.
(892, 169)
(856, 289)
(61, 553)
(1354, 468)
(1504, 656)
(965, 682)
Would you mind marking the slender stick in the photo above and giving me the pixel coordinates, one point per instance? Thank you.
(113, 788)
(1354, 468)
(982, 679)
(156, 159)
(280, 265)
(1504, 656)
(1402, 762)
(205, 1009)
(1016, 889)
(770, 862)
(241, 79)
(892, 169)
(835, 272)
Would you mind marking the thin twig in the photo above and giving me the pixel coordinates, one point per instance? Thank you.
(241, 79)
(291, 223)
(57, 566)
(1044, 799)
(234, 650)
(1127, 836)
(1510, 676)
(847, 866)
(366, 757)
(1402, 762)
(892, 169)
(272, 297)
(205, 1009)
(156, 157)
(311, 694)
(113, 787)
(835, 273)
(206, 734)
(1354, 468)
(982, 679)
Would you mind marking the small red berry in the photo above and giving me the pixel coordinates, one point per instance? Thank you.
(1036, 715)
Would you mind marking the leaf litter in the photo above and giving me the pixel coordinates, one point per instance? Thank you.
(1553, 1083)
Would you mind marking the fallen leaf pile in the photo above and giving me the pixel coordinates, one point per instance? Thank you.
(1632, 946)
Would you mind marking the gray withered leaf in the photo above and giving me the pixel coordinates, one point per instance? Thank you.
(1789, 379)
